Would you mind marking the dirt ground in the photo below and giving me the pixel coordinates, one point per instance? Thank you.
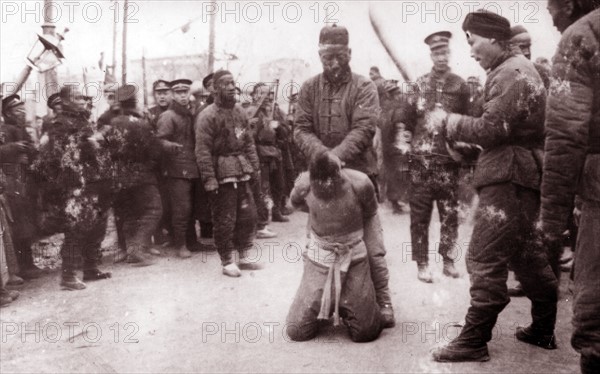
(184, 316)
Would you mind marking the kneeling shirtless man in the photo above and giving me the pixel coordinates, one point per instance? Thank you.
(343, 221)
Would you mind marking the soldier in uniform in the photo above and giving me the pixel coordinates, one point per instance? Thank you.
(521, 42)
(15, 164)
(176, 132)
(54, 103)
(227, 159)
(163, 96)
(338, 111)
(266, 138)
(134, 152)
(434, 173)
(572, 163)
(77, 175)
(6, 296)
(507, 178)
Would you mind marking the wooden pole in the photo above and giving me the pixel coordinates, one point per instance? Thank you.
(124, 56)
(144, 78)
(211, 40)
(114, 51)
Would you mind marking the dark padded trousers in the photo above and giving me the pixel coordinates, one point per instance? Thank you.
(261, 204)
(84, 236)
(586, 301)
(181, 195)
(272, 185)
(139, 210)
(234, 219)
(440, 184)
(23, 227)
(504, 234)
(358, 307)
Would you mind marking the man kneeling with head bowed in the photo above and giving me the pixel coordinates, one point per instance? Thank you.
(343, 222)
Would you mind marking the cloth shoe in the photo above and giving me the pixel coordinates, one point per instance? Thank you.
(5, 300)
(14, 280)
(286, 211)
(245, 264)
(527, 335)
(457, 352)
(265, 233)
(154, 251)
(387, 316)
(278, 217)
(72, 283)
(184, 252)
(424, 275)
(232, 270)
(450, 270)
(139, 260)
(95, 274)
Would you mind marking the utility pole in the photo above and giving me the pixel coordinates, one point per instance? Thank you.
(114, 51)
(211, 39)
(48, 28)
(124, 62)
(144, 78)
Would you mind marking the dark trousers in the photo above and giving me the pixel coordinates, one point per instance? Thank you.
(262, 211)
(439, 184)
(165, 219)
(86, 228)
(272, 185)
(234, 219)
(586, 301)
(181, 195)
(504, 233)
(203, 211)
(23, 228)
(138, 211)
(358, 307)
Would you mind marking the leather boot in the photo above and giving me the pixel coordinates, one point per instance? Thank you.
(527, 335)
(456, 351)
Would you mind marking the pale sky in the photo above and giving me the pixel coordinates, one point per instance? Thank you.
(291, 30)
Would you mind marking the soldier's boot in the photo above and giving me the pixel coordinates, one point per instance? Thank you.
(387, 316)
(424, 274)
(95, 274)
(589, 364)
(457, 351)
(232, 270)
(527, 335)
(450, 270)
(277, 216)
(70, 282)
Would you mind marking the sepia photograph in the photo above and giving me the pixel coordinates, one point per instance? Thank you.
(309, 186)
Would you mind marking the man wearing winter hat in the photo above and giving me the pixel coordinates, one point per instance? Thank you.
(338, 110)
(521, 42)
(227, 159)
(507, 177)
